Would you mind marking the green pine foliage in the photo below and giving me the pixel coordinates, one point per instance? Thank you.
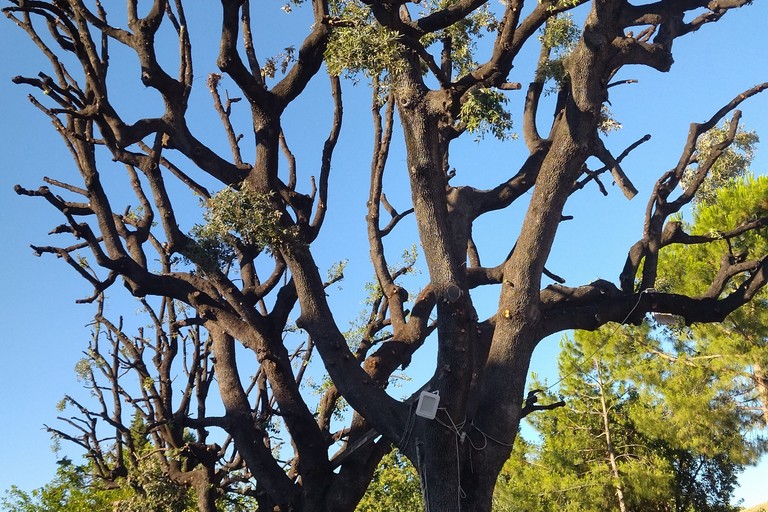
(738, 346)
(395, 487)
(744, 201)
(679, 436)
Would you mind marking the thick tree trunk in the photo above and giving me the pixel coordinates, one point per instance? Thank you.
(439, 465)
(206, 497)
(458, 476)
(761, 381)
(435, 446)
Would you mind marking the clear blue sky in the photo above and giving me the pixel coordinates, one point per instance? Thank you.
(44, 331)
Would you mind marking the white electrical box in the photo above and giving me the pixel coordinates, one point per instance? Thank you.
(427, 406)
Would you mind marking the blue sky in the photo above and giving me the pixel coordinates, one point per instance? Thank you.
(44, 331)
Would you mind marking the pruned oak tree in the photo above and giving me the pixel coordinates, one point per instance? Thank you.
(250, 264)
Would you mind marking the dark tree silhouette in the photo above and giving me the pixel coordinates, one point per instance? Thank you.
(249, 263)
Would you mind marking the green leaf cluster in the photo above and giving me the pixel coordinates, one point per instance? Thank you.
(558, 37)
(154, 491)
(336, 271)
(733, 163)
(281, 60)
(73, 489)
(607, 122)
(359, 45)
(463, 34)
(395, 487)
(238, 217)
(483, 112)
(560, 33)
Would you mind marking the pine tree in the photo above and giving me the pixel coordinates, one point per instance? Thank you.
(645, 428)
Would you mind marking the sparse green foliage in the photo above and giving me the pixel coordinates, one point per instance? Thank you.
(83, 369)
(407, 262)
(558, 37)
(235, 217)
(281, 60)
(135, 215)
(566, 3)
(359, 45)
(288, 6)
(336, 272)
(732, 164)
(61, 404)
(148, 383)
(607, 122)
(72, 490)
(394, 488)
(463, 35)
(83, 261)
(483, 112)
(560, 33)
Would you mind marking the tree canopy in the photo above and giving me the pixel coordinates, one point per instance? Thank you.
(664, 416)
(215, 211)
(645, 426)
